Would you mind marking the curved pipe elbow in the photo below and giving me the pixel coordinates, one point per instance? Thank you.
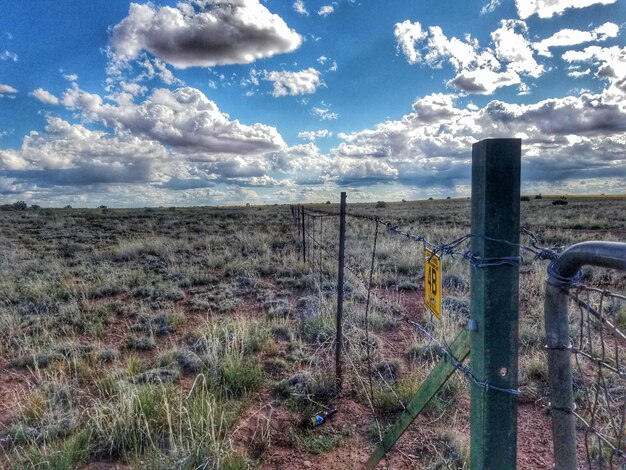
(603, 254)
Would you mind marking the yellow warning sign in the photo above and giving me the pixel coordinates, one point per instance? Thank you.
(432, 281)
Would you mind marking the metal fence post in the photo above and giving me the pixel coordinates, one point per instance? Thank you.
(339, 339)
(561, 273)
(298, 220)
(308, 229)
(494, 302)
(303, 236)
(321, 242)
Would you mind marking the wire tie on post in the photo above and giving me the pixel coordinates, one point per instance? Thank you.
(559, 348)
(562, 409)
(563, 282)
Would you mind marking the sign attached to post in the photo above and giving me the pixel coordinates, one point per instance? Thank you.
(432, 281)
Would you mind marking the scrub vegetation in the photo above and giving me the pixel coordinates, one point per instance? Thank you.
(197, 337)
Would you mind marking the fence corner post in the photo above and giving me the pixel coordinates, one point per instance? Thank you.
(495, 202)
(339, 339)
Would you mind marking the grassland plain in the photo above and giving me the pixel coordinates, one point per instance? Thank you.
(196, 337)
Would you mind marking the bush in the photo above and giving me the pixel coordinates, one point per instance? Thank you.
(16, 206)
(408, 285)
(388, 370)
(277, 308)
(455, 281)
(240, 377)
(387, 402)
(156, 376)
(140, 343)
(381, 204)
(281, 332)
(559, 202)
(303, 389)
(161, 324)
(524, 198)
(427, 352)
(458, 307)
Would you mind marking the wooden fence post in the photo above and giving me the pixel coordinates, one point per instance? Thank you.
(339, 339)
(494, 302)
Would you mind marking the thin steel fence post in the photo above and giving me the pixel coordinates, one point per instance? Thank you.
(303, 236)
(339, 339)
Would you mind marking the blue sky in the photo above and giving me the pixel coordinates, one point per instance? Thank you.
(206, 102)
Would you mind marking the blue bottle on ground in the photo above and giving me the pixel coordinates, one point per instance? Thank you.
(320, 417)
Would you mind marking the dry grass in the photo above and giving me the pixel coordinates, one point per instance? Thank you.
(145, 336)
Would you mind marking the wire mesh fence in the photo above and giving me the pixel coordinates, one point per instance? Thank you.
(599, 347)
(384, 264)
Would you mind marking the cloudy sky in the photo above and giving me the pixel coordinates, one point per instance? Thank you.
(233, 101)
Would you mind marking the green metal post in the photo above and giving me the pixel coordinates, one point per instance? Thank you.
(495, 302)
(340, 267)
(303, 237)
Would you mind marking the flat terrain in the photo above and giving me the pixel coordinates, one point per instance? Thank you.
(198, 337)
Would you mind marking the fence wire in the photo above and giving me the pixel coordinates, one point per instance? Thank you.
(599, 348)
(598, 341)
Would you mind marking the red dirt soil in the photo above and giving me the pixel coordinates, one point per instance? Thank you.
(265, 429)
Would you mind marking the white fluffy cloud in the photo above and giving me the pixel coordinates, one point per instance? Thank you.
(483, 81)
(309, 166)
(407, 34)
(573, 137)
(44, 96)
(490, 7)
(513, 47)
(184, 118)
(311, 136)
(8, 55)
(572, 37)
(324, 113)
(70, 154)
(7, 90)
(550, 8)
(610, 63)
(478, 70)
(434, 108)
(326, 10)
(300, 8)
(203, 33)
(294, 83)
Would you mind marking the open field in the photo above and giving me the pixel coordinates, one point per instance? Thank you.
(197, 338)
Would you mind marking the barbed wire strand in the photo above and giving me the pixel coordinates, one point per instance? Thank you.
(475, 260)
(597, 398)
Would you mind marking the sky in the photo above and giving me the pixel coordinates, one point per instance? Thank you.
(215, 102)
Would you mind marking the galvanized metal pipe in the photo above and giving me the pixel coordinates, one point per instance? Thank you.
(561, 273)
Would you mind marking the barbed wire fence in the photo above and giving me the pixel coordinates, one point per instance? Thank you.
(597, 340)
